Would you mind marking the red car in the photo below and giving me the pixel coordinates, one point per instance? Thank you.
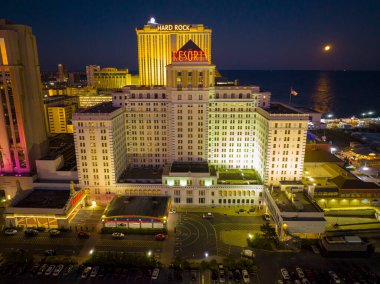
(83, 235)
(160, 237)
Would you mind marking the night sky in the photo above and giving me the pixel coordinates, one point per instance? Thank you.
(257, 35)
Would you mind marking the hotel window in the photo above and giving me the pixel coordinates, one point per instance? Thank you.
(189, 200)
(177, 200)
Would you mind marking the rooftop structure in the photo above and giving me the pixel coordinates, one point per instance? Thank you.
(143, 206)
(106, 107)
(44, 198)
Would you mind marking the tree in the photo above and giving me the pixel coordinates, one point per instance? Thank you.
(268, 231)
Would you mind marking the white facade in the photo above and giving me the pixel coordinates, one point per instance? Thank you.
(100, 143)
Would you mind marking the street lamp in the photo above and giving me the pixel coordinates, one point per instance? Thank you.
(149, 253)
(206, 254)
(250, 236)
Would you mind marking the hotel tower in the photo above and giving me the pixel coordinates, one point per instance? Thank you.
(23, 136)
(156, 42)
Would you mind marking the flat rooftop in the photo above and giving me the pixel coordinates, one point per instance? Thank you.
(285, 205)
(184, 167)
(144, 206)
(320, 156)
(140, 175)
(281, 109)
(235, 176)
(44, 198)
(106, 107)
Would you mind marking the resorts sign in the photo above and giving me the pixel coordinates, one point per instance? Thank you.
(173, 27)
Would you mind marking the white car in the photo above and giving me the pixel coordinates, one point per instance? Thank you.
(85, 272)
(245, 276)
(305, 281)
(300, 272)
(334, 277)
(155, 273)
(285, 274)
(117, 236)
(10, 232)
(172, 211)
(58, 269)
(94, 272)
(267, 217)
(208, 215)
(49, 270)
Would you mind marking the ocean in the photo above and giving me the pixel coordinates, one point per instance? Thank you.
(340, 93)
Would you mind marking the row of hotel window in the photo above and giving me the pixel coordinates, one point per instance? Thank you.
(189, 97)
(202, 200)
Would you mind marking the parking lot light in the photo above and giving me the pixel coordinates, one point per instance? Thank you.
(206, 254)
(91, 251)
(250, 236)
(93, 203)
(150, 253)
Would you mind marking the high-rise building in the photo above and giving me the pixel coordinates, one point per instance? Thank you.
(23, 136)
(62, 75)
(100, 143)
(156, 43)
(90, 69)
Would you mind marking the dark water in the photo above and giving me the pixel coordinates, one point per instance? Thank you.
(342, 93)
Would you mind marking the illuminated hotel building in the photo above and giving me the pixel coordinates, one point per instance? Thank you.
(23, 136)
(99, 137)
(111, 79)
(190, 133)
(156, 43)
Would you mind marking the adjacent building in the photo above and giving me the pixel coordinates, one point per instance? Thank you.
(58, 111)
(90, 69)
(111, 79)
(156, 43)
(23, 137)
(62, 75)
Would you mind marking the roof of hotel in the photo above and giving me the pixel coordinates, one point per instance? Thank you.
(185, 167)
(144, 206)
(281, 109)
(141, 175)
(105, 107)
(320, 156)
(44, 198)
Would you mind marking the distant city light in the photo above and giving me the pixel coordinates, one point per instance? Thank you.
(149, 253)
(250, 236)
(93, 203)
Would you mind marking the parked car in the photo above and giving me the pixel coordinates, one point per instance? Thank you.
(208, 215)
(10, 232)
(54, 233)
(155, 273)
(305, 281)
(68, 270)
(83, 235)
(214, 276)
(160, 237)
(58, 269)
(117, 236)
(86, 272)
(266, 217)
(245, 276)
(94, 272)
(49, 270)
(172, 211)
(335, 278)
(285, 274)
(30, 232)
(300, 272)
(42, 269)
(237, 276)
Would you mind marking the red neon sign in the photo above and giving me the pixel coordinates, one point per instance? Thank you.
(189, 56)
